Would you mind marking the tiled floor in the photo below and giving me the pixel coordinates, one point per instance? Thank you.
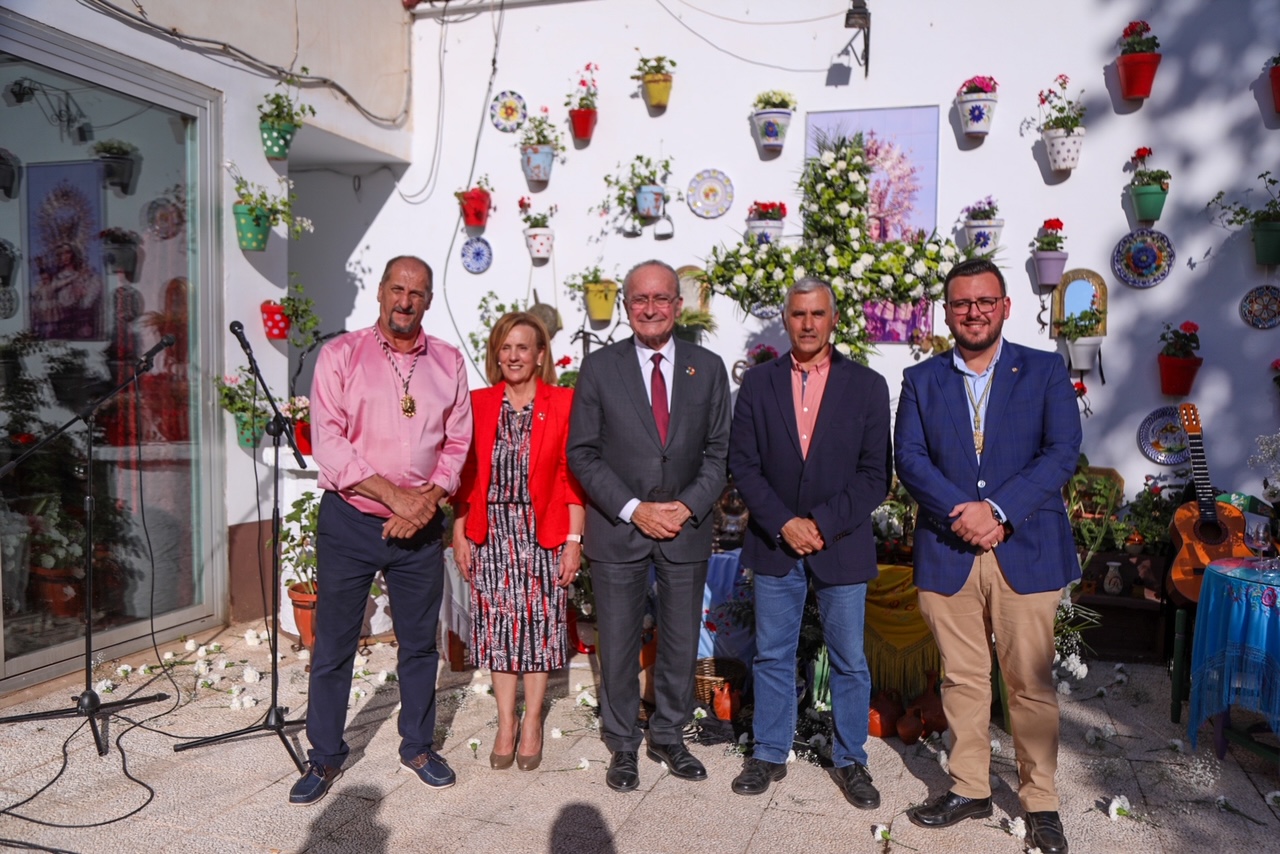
(232, 796)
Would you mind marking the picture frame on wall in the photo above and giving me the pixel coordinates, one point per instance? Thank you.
(65, 274)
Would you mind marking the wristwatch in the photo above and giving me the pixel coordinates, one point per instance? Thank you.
(573, 538)
(1004, 523)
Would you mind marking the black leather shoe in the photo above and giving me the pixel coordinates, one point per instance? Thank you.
(946, 810)
(1044, 831)
(855, 782)
(679, 761)
(624, 771)
(757, 775)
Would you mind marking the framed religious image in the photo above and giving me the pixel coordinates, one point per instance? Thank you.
(65, 279)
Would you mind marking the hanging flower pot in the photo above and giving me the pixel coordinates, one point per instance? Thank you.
(976, 110)
(983, 234)
(249, 430)
(1049, 267)
(537, 160)
(1274, 74)
(765, 230)
(657, 90)
(600, 298)
(1137, 72)
(583, 123)
(302, 436)
(1148, 200)
(1063, 148)
(771, 127)
(1083, 352)
(476, 204)
(274, 320)
(252, 228)
(539, 241)
(1266, 243)
(276, 139)
(649, 201)
(1177, 374)
(303, 596)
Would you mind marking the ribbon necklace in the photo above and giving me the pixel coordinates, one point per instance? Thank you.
(979, 405)
(408, 405)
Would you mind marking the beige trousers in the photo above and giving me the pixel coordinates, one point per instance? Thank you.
(963, 625)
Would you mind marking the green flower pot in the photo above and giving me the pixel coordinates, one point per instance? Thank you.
(1148, 201)
(1266, 243)
(276, 139)
(252, 228)
(249, 431)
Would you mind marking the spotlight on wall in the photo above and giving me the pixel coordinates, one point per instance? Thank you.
(84, 132)
(859, 18)
(22, 90)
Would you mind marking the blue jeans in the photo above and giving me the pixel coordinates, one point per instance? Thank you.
(779, 607)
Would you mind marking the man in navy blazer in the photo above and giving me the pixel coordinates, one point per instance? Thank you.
(809, 451)
(986, 436)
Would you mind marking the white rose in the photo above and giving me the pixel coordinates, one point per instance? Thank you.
(827, 158)
(857, 159)
(832, 175)
(908, 251)
(917, 292)
(944, 267)
(948, 251)
(799, 273)
(919, 268)
(865, 259)
(250, 675)
(831, 249)
(931, 248)
(838, 284)
(886, 280)
(833, 262)
(740, 280)
(908, 278)
(843, 349)
(854, 233)
(841, 165)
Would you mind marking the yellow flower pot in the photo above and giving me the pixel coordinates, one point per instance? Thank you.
(600, 298)
(657, 89)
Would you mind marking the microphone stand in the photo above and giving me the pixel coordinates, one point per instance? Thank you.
(88, 704)
(275, 721)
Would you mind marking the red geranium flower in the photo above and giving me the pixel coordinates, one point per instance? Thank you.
(564, 362)
(1142, 153)
(1052, 225)
(1189, 327)
(1081, 391)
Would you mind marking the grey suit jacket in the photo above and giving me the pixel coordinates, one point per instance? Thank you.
(615, 453)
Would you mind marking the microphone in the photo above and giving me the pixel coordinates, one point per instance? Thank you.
(166, 341)
(237, 329)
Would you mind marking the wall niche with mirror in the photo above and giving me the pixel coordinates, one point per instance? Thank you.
(1074, 294)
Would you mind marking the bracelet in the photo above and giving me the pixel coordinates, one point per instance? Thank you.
(573, 538)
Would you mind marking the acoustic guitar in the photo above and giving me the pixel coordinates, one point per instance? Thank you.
(1206, 529)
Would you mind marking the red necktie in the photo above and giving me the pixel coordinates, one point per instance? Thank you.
(658, 397)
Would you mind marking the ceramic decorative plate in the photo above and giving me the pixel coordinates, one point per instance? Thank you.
(1260, 308)
(710, 193)
(1162, 438)
(508, 112)
(765, 312)
(165, 218)
(8, 303)
(1143, 258)
(477, 255)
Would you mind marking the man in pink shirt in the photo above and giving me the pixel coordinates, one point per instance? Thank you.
(391, 424)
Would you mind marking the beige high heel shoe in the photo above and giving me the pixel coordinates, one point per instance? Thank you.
(503, 761)
(528, 763)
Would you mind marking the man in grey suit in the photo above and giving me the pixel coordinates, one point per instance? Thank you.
(648, 441)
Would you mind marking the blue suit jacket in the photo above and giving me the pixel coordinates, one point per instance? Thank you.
(844, 477)
(1032, 442)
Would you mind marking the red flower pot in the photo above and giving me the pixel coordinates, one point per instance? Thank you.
(584, 124)
(274, 320)
(1137, 72)
(475, 207)
(302, 435)
(1275, 87)
(1177, 374)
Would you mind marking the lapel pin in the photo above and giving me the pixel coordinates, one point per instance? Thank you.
(1015, 370)
(690, 371)
(542, 416)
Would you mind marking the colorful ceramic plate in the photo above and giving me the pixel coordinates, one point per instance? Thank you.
(1143, 258)
(508, 112)
(1162, 438)
(165, 218)
(8, 303)
(710, 193)
(765, 312)
(1260, 308)
(477, 255)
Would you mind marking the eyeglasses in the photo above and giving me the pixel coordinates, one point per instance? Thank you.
(986, 305)
(658, 300)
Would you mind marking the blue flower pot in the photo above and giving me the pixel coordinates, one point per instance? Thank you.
(536, 161)
(649, 201)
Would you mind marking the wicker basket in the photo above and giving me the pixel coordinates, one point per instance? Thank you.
(711, 673)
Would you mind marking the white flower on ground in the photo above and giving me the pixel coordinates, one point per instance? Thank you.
(224, 664)
(237, 690)
(1091, 736)
(791, 756)
(1018, 828)
(586, 699)
(304, 654)
(357, 694)
(168, 656)
(556, 732)
(744, 738)
(202, 667)
(699, 713)
(578, 686)
(248, 702)
(1108, 731)
(360, 661)
(385, 676)
(995, 745)
(106, 686)
(215, 647)
(944, 762)
(1119, 806)
(1176, 745)
(1121, 679)
(1064, 688)
(584, 764)
(251, 675)
(202, 651)
(1119, 668)
(251, 638)
(191, 646)
(124, 670)
(480, 689)
(474, 744)
(1273, 799)
(880, 832)
(235, 703)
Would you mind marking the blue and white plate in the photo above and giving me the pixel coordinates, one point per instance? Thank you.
(1162, 438)
(508, 111)
(1143, 258)
(1260, 308)
(477, 255)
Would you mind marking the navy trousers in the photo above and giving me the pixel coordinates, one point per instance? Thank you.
(350, 551)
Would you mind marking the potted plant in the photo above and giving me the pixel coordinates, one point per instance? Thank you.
(1047, 253)
(1083, 334)
(581, 102)
(764, 220)
(640, 190)
(477, 203)
(1138, 60)
(1274, 73)
(976, 105)
(1061, 125)
(8, 260)
(540, 144)
(1265, 221)
(654, 74)
(257, 210)
(119, 159)
(981, 225)
(1149, 187)
(238, 394)
(599, 293)
(1178, 361)
(280, 117)
(772, 117)
(300, 311)
(56, 553)
(692, 323)
(298, 410)
(1149, 514)
(274, 321)
(538, 236)
(120, 250)
(298, 562)
(10, 168)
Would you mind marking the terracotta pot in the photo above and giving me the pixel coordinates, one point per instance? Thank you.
(930, 705)
(304, 612)
(1177, 374)
(725, 702)
(475, 207)
(302, 436)
(886, 709)
(274, 320)
(910, 727)
(58, 589)
(1274, 74)
(583, 123)
(657, 90)
(1137, 72)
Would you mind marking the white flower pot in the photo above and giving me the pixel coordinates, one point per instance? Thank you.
(1082, 353)
(1063, 148)
(983, 234)
(976, 110)
(539, 241)
(765, 230)
(771, 127)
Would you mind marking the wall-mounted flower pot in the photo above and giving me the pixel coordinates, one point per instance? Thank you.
(1082, 353)
(765, 230)
(771, 127)
(252, 228)
(1148, 201)
(1137, 72)
(476, 203)
(539, 242)
(274, 321)
(536, 161)
(583, 123)
(976, 110)
(657, 90)
(1266, 243)
(649, 201)
(117, 171)
(276, 139)
(983, 234)
(1177, 374)
(1049, 267)
(1274, 74)
(249, 430)
(1063, 148)
(302, 436)
(600, 298)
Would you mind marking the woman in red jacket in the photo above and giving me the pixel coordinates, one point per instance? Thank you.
(517, 532)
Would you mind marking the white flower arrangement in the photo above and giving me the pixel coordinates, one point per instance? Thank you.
(699, 713)
(167, 657)
(202, 667)
(357, 694)
(1064, 688)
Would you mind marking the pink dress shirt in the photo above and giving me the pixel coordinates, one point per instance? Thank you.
(358, 430)
(806, 395)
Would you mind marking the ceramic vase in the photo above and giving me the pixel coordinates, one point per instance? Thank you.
(1137, 71)
(1063, 148)
(765, 230)
(1049, 267)
(536, 161)
(976, 110)
(539, 242)
(771, 127)
(983, 234)
(276, 139)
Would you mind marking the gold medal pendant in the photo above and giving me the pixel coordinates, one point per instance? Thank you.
(408, 406)
(977, 441)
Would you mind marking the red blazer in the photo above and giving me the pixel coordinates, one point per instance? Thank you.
(551, 487)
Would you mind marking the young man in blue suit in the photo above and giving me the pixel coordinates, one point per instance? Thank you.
(809, 451)
(986, 436)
